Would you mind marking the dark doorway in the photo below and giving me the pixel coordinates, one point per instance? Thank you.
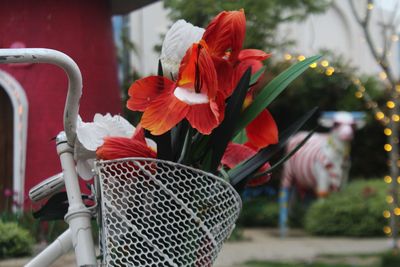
(6, 151)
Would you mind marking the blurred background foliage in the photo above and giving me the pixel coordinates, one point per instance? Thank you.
(263, 16)
(334, 92)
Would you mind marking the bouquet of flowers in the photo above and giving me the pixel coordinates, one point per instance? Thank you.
(168, 184)
(204, 109)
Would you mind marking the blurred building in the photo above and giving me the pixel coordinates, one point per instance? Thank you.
(32, 96)
(336, 30)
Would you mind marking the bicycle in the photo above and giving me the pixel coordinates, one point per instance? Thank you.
(150, 212)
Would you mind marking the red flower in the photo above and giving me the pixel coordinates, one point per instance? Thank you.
(225, 36)
(237, 153)
(193, 96)
(122, 147)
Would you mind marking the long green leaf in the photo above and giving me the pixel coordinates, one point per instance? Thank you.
(272, 90)
(257, 75)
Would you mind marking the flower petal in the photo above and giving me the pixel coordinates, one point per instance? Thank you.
(225, 72)
(91, 135)
(197, 71)
(163, 114)
(116, 125)
(122, 147)
(225, 33)
(253, 54)
(235, 154)
(144, 91)
(176, 42)
(262, 131)
(262, 179)
(204, 117)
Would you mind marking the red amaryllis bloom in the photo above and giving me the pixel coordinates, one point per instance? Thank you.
(225, 36)
(237, 153)
(122, 147)
(193, 96)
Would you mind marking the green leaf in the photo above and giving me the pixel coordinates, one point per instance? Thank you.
(257, 75)
(271, 91)
(241, 137)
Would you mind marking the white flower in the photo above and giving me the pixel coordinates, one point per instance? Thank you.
(90, 136)
(177, 41)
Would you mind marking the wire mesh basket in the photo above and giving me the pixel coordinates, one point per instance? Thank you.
(160, 213)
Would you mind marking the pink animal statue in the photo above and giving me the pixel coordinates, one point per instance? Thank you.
(322, 164)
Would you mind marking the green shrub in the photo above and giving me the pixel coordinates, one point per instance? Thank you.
(14, 240)
(355, 211)
(259, 212)
(40, 231)
(390, 259)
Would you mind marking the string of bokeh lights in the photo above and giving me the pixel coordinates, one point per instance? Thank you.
(362, 94)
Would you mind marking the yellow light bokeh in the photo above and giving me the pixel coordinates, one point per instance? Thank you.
(387, 147)
(396, 211)
(313, 65)
(398, 88)
(358, 94)
(379, 115)
(324, 63)
(398, 180)
(387, 179)
(287, 56)
(386, 214)
(389, 199)
(382, 75)
(301, 58)
(395, 117)
(390, 104)
(370, 6)
(387, 131)
(387, 230)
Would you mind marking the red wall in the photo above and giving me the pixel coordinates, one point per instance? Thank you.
(82, 30)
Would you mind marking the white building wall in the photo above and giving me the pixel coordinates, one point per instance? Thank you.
(146, 26)
(335, 30)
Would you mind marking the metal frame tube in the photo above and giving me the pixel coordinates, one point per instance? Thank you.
(42, 55)
(78, 216)
(55, 250)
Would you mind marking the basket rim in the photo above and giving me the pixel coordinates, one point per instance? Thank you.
(98, 163)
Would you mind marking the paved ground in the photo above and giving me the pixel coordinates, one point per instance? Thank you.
(264, 244)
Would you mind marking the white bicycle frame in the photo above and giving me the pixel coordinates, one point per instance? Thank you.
(79, 235)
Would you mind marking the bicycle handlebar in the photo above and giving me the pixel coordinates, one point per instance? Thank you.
(42, 55)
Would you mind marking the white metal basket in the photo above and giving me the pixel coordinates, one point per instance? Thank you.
(160, 213)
